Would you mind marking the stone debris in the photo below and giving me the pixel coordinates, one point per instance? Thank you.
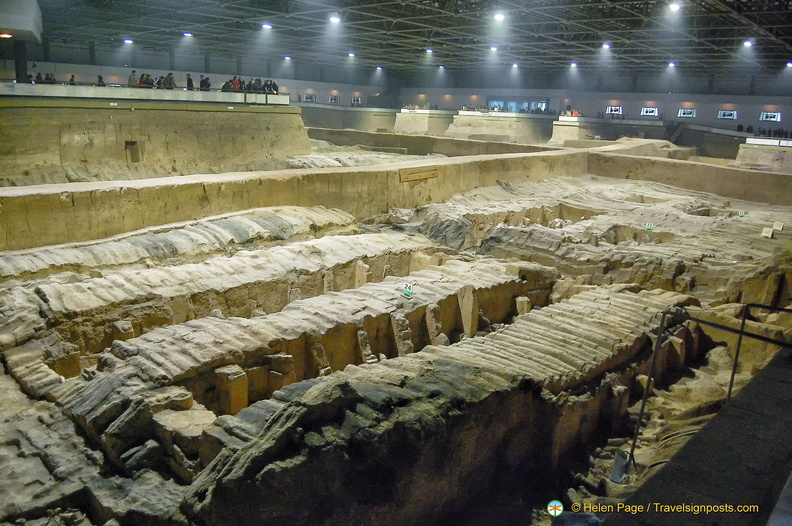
(227, 363)
(327, 155)
(180, 243)
(87, 312)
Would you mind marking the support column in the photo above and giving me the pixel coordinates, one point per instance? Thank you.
(20, 60)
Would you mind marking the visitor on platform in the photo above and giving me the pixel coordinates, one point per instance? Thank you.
(132, 81)
(190, 85)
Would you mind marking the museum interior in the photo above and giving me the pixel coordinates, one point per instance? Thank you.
(388, 262)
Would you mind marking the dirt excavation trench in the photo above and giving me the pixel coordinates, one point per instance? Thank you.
(462, 362)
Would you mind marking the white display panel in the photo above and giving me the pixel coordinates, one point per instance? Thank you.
(727, 114)
(648, 111)
(614, 110)
(686, 113)
(772, 116)
(335, 99)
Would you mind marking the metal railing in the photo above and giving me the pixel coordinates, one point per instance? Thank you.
(682, 315)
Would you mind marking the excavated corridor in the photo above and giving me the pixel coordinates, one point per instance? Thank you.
(300, 365)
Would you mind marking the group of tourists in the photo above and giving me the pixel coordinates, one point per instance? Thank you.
(48, 78)
(252, 86)
(147, 81)
(236, 84)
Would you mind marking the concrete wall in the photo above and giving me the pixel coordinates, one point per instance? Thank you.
(422, 145)
(53, 141)
(54, 214)
(328, 116)
(749, 185)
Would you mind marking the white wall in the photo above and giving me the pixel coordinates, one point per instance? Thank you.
(85, 74)
(590, 103)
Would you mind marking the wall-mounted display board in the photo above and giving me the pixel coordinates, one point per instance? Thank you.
(687, 113)
(772, 116)
(614, 110)
(727, 114)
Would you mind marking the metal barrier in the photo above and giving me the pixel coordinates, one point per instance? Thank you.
(682, 315)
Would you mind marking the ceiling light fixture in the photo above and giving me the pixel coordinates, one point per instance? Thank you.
(128, 41)
(605, 46)
(379, 67)
(515, 65)
(500, 17)
(789, 64)
(747, 43)
(188, 34)
(494, 48)
(573, 65)
(351, 54)
(441, 66)
(266, 26)
(286, 57)
(335, 19)
(429, 50)
(674, 7)
(5, 35)
(672, 64)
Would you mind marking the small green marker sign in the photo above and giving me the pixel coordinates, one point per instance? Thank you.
(407, 290)
(649, 226)
(741, 213)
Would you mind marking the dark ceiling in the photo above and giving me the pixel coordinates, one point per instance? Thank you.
(546, 34)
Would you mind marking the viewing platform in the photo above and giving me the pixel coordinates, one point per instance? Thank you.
(126, 93)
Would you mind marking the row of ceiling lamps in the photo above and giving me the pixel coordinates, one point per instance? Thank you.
(335, 19)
